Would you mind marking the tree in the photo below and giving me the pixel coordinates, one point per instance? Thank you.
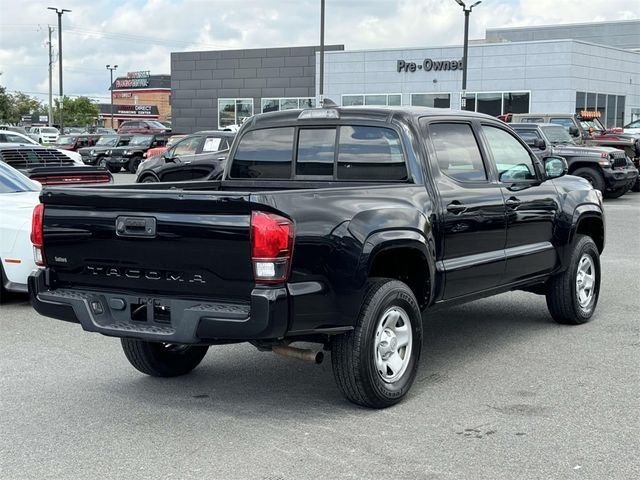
(5, 105)
(78, 111)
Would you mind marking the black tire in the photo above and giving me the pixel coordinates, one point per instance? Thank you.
(3, 291)
(562, 290)
(591, 175)
(149, 179)
(353, 354)
(617, 193)
(636, 186)
(134, 163)
(113, 168)
(161, 359)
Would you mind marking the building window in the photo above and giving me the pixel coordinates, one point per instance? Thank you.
(515, 102)
(610, 107)
(277, 104)
(234, 111)
(377, 99)
(433, 100)
(497, 103)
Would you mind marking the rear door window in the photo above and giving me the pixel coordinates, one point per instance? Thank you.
(370, 153)
(265, 154)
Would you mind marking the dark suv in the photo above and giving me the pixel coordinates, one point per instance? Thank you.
(604, 167)
(143, 126)
(131, 155)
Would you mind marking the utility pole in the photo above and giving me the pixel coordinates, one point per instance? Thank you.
(60, 12)
(467, 11)
(111, 69)
(321, 89)
(50, 122)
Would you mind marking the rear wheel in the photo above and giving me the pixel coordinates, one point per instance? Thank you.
(375, 364)
(636, 186)
(592, 175)
(572, 295)
(162, 359)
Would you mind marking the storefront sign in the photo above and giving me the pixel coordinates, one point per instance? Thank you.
(139, 74)
(134, 80)
(122, 94)
(428, 65)
(141, 110)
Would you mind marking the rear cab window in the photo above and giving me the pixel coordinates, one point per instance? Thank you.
(341, 152)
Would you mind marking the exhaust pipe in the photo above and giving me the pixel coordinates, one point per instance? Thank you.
(308, 356)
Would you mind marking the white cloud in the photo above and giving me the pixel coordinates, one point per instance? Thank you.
(140, 34)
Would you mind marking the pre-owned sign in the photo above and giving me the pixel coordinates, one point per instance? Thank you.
(428, 65)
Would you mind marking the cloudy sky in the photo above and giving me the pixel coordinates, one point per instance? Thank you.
(140, 34)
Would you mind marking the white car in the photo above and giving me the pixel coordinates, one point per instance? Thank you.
(7, 136)
(633, 127)
(18, 197)
(44, 134)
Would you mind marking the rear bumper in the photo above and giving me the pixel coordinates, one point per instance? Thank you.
(161, 319)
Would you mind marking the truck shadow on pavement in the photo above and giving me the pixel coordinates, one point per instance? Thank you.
(240, 381)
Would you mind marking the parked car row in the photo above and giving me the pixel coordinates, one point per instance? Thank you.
(614, 174)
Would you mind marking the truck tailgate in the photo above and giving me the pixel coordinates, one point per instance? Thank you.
(164, 243)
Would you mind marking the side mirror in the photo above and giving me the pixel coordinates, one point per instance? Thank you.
(539, 143)
(555, 167)
(574, 132)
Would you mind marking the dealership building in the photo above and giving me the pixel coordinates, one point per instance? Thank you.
(560, 68)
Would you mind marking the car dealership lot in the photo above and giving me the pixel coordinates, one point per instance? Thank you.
(502, 392)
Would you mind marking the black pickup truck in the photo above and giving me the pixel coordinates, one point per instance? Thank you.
(337, 226)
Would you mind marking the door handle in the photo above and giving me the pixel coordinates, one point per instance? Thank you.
(456, 207)
(513, 202)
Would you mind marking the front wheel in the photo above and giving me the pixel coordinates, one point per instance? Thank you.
(592, 175)
(375, 364)
(134, 163)
(162, 359)
(617, 193)
(572, 295)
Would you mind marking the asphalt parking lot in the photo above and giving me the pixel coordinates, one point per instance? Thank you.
(502, 393)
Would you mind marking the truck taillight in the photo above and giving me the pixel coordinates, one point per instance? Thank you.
(37, 237)
(271, 247)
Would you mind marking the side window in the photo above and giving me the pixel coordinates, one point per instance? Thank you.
(533, 120)
(265, 153)
(457, 152)
(512, 160)
(370, 153)
(529, 136)
(187, 146)
(316, 150)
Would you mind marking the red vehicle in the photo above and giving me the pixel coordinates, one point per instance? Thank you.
(76, 142)
(143, 126)
(152, 152)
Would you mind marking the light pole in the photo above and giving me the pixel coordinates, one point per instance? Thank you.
(60, 11)
(111, 69)
(321, 89)
(467, 11)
